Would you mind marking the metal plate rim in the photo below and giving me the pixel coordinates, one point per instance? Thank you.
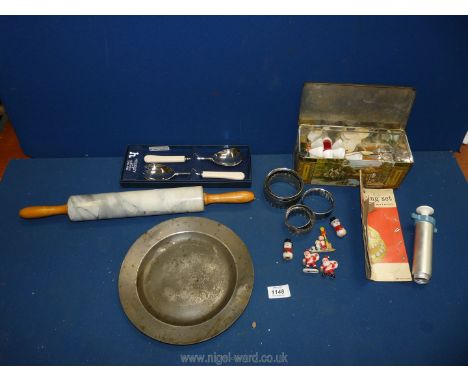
(189, 334)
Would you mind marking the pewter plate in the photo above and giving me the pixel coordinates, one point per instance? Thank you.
(186, 280)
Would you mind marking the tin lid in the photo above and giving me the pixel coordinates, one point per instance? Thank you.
(356, 105)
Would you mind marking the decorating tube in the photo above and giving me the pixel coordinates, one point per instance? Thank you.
(422, 258)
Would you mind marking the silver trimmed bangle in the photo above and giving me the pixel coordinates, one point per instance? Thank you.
(284, 175)
(324, 194)
(299, 209)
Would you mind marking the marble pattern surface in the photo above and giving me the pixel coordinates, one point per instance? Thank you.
(135, 203)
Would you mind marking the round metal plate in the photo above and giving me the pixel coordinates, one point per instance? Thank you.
(186, 280)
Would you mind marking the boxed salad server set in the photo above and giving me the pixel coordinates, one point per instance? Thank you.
(186, 165)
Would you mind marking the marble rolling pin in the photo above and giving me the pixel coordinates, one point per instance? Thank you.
(136, 203)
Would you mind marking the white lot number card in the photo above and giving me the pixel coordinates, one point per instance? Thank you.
(279, 291)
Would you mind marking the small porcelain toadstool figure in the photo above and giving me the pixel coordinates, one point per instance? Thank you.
(315, 144)
(338, 149)
(327, 148)
(328, 267)
(287, 250)
(339, 229)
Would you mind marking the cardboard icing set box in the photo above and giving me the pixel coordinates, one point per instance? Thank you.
(385, 252)
(345, 129)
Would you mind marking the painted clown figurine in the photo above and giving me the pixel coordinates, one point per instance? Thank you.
(339, 229)
(287, 250)
(328, 267)
(310, 261)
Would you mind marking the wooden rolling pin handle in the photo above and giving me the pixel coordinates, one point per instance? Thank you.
(229, 197)
(43, 211)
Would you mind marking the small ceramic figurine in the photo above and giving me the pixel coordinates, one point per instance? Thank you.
(314, 137)
(338, 149)
(318, 244)
(327, 148)
(322, 244)
(319, 147)
(339, 229)
(325, 239)
(316, 151)
(328, 267)
(351, 139)
(287, 250)
(310, 261)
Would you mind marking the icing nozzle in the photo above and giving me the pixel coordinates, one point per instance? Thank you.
(425, 210)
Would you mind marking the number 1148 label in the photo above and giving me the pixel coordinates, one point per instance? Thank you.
(279, 291)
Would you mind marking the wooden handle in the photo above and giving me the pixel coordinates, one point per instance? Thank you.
(42, 211)
(229, 197)
(164, 159)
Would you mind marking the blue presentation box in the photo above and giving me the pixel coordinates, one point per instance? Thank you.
(135, 174)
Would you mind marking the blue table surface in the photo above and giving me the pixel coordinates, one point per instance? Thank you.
(59, 300)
